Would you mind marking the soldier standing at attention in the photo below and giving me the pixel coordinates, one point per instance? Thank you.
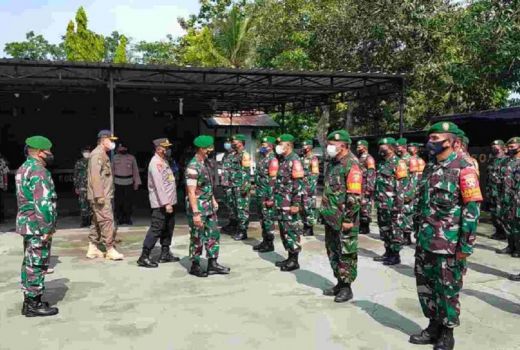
(162, 192)
(340, 212)
(289, 196)
(368, 168)
(201, 208)
(448, 213)
(126, 181)
(36, 222)
(100, 195)
(389, 197)
(493, 184)
(241, 184)
(461, 146)
(225, 182)
(413, 149)
(311, 168)
(80, 186)
(406, 224)
(4, 184)
(265, 180)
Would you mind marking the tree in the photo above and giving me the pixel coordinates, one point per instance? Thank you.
(120, 55)
(36, 47)
(82, 44)
(157, 52)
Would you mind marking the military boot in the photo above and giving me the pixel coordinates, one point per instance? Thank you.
(36, 308)
(268, 247)
(331, 292)
(282, 263)
(167, 256)
(113, 254)
(292, 263)
(145, 261)
(516, 247)
(428, 335)
(382, 257)
(364, 228)
(259, 246)
(393, 259)
(196, 270)
(446, 340)
(308, 230)
(94, 252)
(240, 236)
(510, 247)
(408, 238)
(344, 294)
(231, 227)
(26, 301)
(214, 268)
(515, 278)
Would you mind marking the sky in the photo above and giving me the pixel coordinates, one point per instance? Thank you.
(139, 19)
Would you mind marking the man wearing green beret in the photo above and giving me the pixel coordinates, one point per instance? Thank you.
(201, 209)
(493, 185)
(447, 216)
(265, 180)
(288, 196)
(461, 147)
(413, 149)
(392, 175)
(340, 212)
(36, 223)
(368, 168)
(410, 185)
(225, 182)
(241, 185)
(311, 168)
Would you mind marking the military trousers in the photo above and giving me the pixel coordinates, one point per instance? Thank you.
(84, 205)
(309, 214)
(406, 224)
(291, 229)
(439, 279)
(124, 202)
(102, 227)
(241, 206)
(267, 219)
(365, 212)
(37, 253)
(342, 248)
(229, 202)
(207, 236)
(161, 229)
(391, 235)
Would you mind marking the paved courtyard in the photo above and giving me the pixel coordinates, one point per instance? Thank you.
(116, 305)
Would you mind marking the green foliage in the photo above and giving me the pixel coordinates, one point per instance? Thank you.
(82, 44)
(156, 52)
(35, 47)
(120, 53)
(300, 125)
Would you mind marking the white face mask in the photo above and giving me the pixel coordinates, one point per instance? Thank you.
(279, 149)
(332, 151)
(86, 154)
(112, 146)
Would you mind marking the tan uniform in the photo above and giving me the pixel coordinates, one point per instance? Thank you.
(101, 185)
(126, 177)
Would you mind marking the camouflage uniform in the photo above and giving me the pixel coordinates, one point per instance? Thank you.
(4, 172)
(390, 188)
(226, 186)
(311, 168)
(447, 214)
(341, 204)
(198, 174)
(493, 185)
(36, 218)
(240, 185)
(368, 167)
(265, 180)
(511, 202)
(289, 192)
(80, 184)
(410, 185)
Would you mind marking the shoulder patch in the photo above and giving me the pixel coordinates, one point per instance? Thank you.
(371, 163)
(354, 180)
(422, 165)
(469, 185)
(401, 171)
(315, 166)
(414, 165)
(246, 160)
(273, 167)
(297, 169)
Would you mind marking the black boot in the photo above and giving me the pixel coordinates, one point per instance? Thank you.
(516, 246)
(384, 256)
(446, 340)
(167, 256)
(24, 305)
(392, 259)
(240, 236)
(408, 238)
(428, 335)
(292, 264)
(34, 307)
(308, 230)
(515, 278)
(145, 261)
(215, 268)
(231, 227)
(283, 262)
(509, 249)
(344, 294)
(364, 228)
(259, 246)
(196, 270)
(331, 292)
(268, 247)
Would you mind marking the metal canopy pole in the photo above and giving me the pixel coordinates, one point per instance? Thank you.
(111, 92)
(401, 108)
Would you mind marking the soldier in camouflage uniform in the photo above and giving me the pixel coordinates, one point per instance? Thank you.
(406, 223)
(201, 209)
(36, 222)
(391, 182)
(461, 147)
(80, 186)
(4, 172)
(311, 168)
(340, 212)
(289, 196)
(265, 180)
(241, 185)
(368, 167)
(413, 149)
(493, 184)
(447, 215)
(225, 182)
(509, 196)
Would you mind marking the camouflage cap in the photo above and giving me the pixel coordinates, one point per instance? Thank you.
(203, 141)
(285, 138)
(362, 143)
(513, 140)
(106, 133)
(239, 137)
(163, 142)
(444, 127)
(307, 143)
(497, 143)
(39, 142)
(387, 141)
(401, 142)
(339, 135)
(269, 139)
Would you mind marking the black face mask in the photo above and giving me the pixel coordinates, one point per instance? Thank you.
(436, 147)
(495, 151)
(512, 152)
(383, 153)
(49, 160)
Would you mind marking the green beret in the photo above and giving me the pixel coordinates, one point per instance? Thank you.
(512, 140)
(465, 140)
(387, 141)
(401, 142)
(339, 135)
(460, 133)
(269, 139)
(444, 127)
(497, 143)
(39, 142)
(203, 141)
(307, 143)
(362, 143)
(285, 138)
(239, 137)
(415, 144)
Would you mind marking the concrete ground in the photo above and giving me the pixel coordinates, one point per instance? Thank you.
(116, 305)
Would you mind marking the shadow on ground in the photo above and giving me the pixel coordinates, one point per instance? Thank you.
(56, 290)
(494, 300)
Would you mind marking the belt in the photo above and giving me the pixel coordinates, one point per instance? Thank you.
(124, 177)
